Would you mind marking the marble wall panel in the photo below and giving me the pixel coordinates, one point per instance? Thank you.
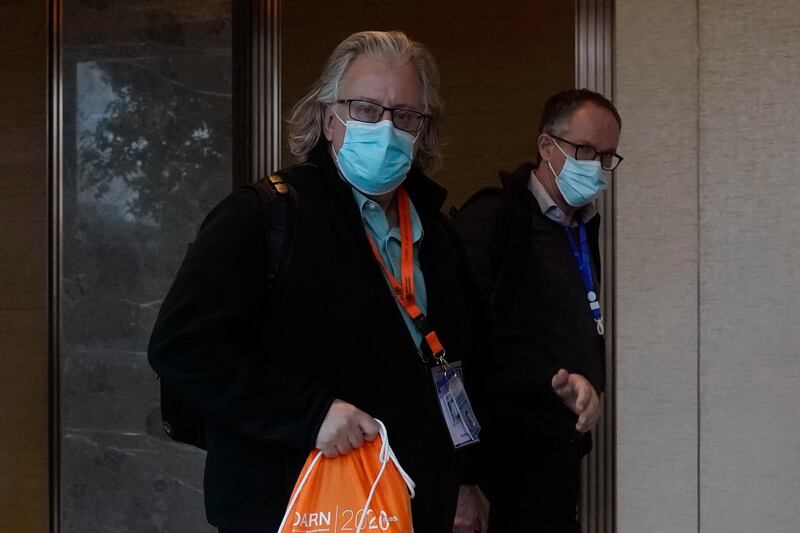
(147, 152)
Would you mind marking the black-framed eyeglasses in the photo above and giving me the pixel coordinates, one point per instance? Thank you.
(586, 152)
(365, 111)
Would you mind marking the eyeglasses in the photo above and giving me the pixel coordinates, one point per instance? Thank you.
(404, 119)
(586, 152)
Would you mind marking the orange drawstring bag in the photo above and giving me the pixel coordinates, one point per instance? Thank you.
(363, 491)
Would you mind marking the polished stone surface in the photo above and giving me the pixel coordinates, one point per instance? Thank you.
(147, 152)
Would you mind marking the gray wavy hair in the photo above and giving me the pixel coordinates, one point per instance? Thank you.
(306, 118)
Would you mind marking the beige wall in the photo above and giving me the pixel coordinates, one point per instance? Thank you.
(23, 268)
(750, 266)
(656, 267)
(707, 275)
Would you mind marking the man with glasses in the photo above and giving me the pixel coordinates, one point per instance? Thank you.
(534, 246)
(376, 295)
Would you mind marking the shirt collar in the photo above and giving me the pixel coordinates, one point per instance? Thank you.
(551, 209)
(374, 217)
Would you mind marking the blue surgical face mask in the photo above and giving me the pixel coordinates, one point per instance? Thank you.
(580, 182)
(375, 158)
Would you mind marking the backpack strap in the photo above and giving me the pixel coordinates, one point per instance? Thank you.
(513, 234)
(482, 223)
(277, 199)
(510, 235)
(518, 218)
(181, 423)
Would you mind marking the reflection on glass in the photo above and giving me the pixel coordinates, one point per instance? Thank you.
(147, 152)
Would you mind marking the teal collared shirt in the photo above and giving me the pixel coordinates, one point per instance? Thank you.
(388, 242)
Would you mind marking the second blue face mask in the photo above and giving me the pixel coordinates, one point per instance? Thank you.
(580, 182)
(375, 158)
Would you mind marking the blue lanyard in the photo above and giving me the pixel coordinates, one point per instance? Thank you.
(583, 260)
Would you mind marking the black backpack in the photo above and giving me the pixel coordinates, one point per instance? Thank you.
(513, 228)
(180, 422)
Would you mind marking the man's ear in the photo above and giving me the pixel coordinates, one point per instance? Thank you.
(546, 146)
(327, 122)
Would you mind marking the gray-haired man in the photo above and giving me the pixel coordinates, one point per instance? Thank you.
(308, 364)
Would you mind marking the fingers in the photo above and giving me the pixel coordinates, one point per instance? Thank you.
(561, 384)
(595, 410)
(579, 396)
(483, 516)
(354, 439)
(464, 526)
(343, 447)
(343, 443)
(590, 415)
(584, 390)
(344, 428)
(369, 427)
(560, 379)
(468, 511)
(583, 424)
(328, 450)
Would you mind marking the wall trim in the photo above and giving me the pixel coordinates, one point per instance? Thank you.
(594, 48)
(54, 127)
(257, 90)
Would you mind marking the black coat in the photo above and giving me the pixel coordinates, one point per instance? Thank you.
(264, 366)
(542, 320)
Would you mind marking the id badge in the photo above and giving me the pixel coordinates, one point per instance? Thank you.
(456, 407)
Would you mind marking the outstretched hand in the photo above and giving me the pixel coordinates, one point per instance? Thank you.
(579, 395)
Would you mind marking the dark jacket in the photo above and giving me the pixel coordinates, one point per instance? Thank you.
(264, 366)
(542, 319)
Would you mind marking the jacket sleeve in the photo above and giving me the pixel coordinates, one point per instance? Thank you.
(205, 340)
(519, 386)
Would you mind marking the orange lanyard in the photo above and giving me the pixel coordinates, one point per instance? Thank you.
(405, 292)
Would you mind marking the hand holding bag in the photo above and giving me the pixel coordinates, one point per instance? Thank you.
(363, 491)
